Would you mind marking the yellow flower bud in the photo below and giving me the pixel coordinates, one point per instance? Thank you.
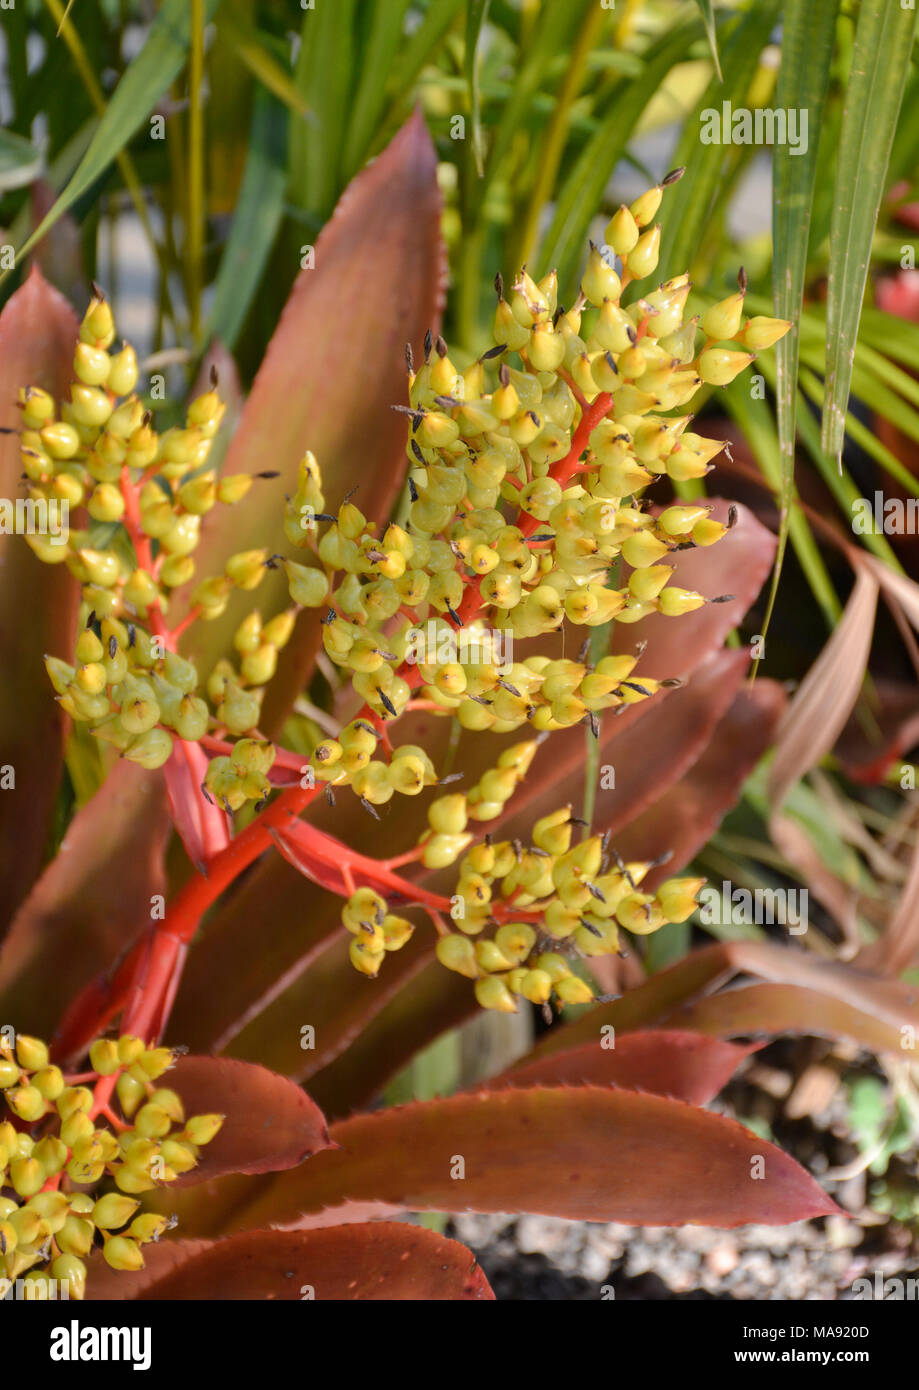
(644, 584)
(761, 332)
(122, 377)
(643, 257)
(642, 549)
(674, 601)
(308, 586)
(492, 993)
(574, 990)
(679, 520)
(233, 488)
(91, 365)
(397, 932)
(76, 1236)
(60, 440)
(718, 366)
(622, 232)
(90, 406)
(70, 1271)
(120, 1252)
(441, 850)
(599, 280)
(50, 1081)
(113, 1210)
(31, 1052)
(150, 750)
(490, 957)
(27, 1176)
(368, 962)
(448, 814)
(707, 531)
(457, 953)
(247, 568)
(723, 319)
(515, 940)
(677, 897)
(98, 326)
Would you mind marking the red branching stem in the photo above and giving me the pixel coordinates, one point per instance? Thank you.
(190, 617)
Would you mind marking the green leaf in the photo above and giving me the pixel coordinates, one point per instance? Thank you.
(476, 11)
(145, 80)
(807, 50)
(880, 63)
(383, 38)
(689, 202)
(708, 19)
(251, 48)
(20, 161)
(323, 78)
(258, 215)
(755, 419)
(581, 194)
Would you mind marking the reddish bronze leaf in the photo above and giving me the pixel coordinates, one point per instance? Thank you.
(270, 1123)
(660, 998)
(333, 369)
(781, 1009)
(586, 1153)
(38, 602)
(91, 900)
(684, 1065)
(383, 1260)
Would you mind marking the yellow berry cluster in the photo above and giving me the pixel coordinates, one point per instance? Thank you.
(571, 894)
(56, 1150)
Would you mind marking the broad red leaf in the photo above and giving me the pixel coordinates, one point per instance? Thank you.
(332, 371)
(270, 1123)
(780, 1009)
(38, 602)
(91, 900)
(684, 1065)
(586, 1153)
(427, 1005)
(379, 1261)
(331, 997)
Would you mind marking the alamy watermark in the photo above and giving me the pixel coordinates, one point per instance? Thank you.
(436, 645)
(35, 516)
(767, 125)
(760, 907)
(889, 516)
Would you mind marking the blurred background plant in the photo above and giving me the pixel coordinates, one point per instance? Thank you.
(187, 154)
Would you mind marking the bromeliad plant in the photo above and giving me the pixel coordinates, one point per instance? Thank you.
(529, 513)
(528, 478)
